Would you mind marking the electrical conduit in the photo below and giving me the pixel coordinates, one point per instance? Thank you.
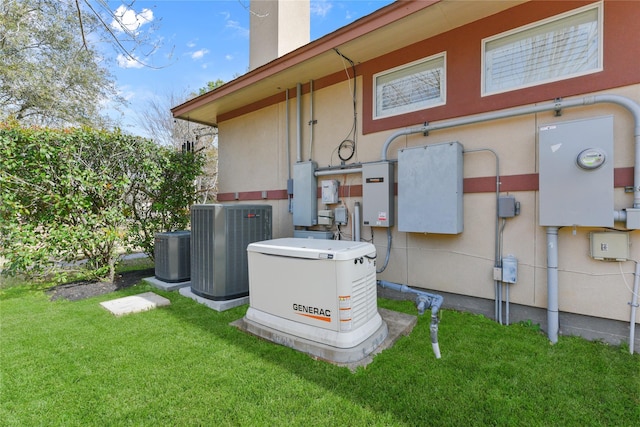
(552, 232)
(424, 300)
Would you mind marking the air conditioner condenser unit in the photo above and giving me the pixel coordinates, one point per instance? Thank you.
(220, 234)
(172, 256)
(318, 296)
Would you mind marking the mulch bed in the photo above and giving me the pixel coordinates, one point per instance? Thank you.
(86, 289)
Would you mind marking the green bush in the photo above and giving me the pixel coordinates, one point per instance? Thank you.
(83, 193)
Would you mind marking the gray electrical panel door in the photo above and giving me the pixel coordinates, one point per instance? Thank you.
(305, 194)
(576, 173)
(430, 190)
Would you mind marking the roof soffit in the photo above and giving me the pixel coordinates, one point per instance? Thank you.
(382, 32)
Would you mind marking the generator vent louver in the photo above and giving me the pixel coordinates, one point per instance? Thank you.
(220, 236)
(172, 256)
(363, 299)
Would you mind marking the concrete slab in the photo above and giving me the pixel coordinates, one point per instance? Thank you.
(212, 304)
(135, 303)
(394, 326)
(166, 286)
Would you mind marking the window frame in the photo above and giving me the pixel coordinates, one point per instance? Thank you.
(412, 107)
(598, 6)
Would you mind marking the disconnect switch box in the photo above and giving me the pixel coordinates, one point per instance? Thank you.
(378, 194)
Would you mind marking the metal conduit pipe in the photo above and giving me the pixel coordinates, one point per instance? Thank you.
(552, 232)
(319, 172)
(552, 284)
(634, 307)
(298, 122)
(557, 105)
(424, 300)
(311, 121)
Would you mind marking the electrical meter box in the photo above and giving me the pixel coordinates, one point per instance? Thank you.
(329, 191)
(430, 180)
(576, 173)
(377, 194)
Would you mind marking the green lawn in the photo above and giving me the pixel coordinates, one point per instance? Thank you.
(74, 364)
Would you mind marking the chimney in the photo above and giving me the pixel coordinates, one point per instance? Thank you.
(277, 27)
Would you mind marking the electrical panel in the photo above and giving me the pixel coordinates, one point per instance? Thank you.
(430, 193)
(377, 194)
(576, 173)
(305, 194)
(329, 191)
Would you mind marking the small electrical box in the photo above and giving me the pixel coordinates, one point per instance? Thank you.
(609, 246)
(341, 215)
(330, 191)
(325, 217)
(507, 207)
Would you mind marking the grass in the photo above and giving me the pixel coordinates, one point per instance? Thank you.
(74, 364)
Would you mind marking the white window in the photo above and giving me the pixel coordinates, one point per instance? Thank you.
(565, 46)
(410, 87)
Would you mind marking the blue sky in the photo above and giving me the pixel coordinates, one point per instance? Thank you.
(201, 41)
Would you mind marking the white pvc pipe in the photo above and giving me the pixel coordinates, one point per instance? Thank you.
(356, 222)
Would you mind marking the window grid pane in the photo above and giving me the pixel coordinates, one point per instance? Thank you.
(410, 88)
(560, 49)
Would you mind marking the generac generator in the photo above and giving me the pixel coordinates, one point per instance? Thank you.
(318, 290)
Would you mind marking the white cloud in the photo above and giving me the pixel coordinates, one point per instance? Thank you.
(228, 57)
(321, 7)
(128, 61)
(240, 30)
(127, 20)
(198, 54)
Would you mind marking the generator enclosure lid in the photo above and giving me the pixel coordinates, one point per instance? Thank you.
(338, 250)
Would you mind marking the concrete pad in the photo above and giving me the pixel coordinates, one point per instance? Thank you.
(166, 286)
(394, 325)
(213, 304)
(135, 303)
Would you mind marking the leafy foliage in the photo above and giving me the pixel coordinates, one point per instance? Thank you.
(48, 74)
(83, 193)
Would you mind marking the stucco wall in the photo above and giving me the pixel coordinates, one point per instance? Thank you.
(253, 157)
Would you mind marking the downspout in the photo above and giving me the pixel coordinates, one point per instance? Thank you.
(424, 300)
(552, 232)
